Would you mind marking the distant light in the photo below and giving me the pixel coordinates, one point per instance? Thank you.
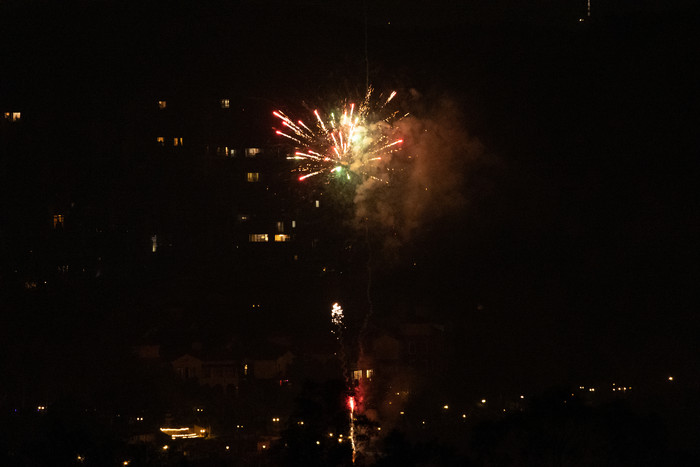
(183, 432)
(522, 397)
(464, 415)
(483, 401)
(228, 448)
(670, 378)
(445, 407)
(318, 442)
(165, 448)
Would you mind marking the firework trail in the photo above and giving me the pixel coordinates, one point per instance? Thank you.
(337, 320)
(352, 139)
(351, 406)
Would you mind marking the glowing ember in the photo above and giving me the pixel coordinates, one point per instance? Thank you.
(351, 140)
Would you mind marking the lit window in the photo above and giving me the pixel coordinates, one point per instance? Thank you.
(162, 105)
(357, 374)
(154, 243)
(257, 238)
(177, 141)
(58, 221)
(253, 176)
(232, 152)
(294, 224)
(280, 226)
(318, 203)
(252, 152)
(161, 140)
(224, 103)
(221, 151)
(281, 238)
(243, 217)
(369, 373)
(7, 115)
(16, 116)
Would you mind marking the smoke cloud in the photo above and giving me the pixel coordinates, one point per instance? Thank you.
(428, 176)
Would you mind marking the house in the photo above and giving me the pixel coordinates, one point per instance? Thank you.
(213, 372)
(272, 367)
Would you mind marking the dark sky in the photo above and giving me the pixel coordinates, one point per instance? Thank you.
(578, 246)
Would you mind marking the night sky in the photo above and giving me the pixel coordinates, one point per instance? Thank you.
(573, 252)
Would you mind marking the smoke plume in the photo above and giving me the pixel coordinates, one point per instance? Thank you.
(427, 177)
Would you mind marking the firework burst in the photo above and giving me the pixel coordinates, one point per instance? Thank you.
(351, 139)
(337, 317)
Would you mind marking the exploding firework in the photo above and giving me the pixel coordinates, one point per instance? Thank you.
(354, 139)
(337, 317)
